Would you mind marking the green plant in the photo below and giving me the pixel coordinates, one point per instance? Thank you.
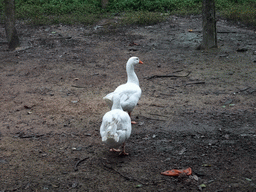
(143, 17)
(135, 11)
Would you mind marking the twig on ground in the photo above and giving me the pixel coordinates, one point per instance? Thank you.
(217, 31)
(163, 76)
(245, 89)
(252, 91)
(196, 82)
(149, 118)
(242, 90)
(124, 176)
(78, 162)
(129, 178)
(226, 32)
(23, 136)
(154, 114)
(77, 86)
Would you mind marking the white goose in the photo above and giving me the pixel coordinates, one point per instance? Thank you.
(116, 126)
(130, 92)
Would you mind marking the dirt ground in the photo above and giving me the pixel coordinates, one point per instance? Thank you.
(198, 108)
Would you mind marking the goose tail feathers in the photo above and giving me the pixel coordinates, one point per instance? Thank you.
(110, 133)
(108, 99)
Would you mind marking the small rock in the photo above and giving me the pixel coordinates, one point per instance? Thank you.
(228, 102)
(195, 177)
(141, 123)
(2, 161)
(226, 136)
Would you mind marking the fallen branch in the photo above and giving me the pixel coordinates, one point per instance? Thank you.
(163, 76)
(78, 162)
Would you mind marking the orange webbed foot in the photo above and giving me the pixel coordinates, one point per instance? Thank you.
(115, 150)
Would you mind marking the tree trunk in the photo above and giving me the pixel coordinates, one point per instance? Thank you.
(11, 32)
(209, 25)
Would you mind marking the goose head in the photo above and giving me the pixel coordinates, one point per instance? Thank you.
(132, 77)
(134, 61)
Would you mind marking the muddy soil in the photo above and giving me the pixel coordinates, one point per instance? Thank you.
(198, 108)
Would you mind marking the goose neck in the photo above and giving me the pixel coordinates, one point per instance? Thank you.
(131, 75)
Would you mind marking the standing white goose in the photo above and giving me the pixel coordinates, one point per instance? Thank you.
(116, 126)
(130, 92)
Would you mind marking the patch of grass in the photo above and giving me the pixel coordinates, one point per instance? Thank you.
(143, 18)
(68, 19)
(238, 10)
(141, 12)
(243, 14)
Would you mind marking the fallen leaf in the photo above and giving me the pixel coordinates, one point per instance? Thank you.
(138, 186)
(176, 172)
(195, 177)
(248, 179)
(206, 165)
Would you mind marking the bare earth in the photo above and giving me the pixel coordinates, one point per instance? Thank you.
(198, 108)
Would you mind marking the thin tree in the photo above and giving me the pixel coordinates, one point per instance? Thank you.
(209, 25)
(11, 32)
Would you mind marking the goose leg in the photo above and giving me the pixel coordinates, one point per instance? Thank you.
(123, 152)
(133, 122)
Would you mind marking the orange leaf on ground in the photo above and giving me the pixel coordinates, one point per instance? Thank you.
(176, 172)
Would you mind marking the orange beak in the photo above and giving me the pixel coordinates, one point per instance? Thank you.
(140, 62)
